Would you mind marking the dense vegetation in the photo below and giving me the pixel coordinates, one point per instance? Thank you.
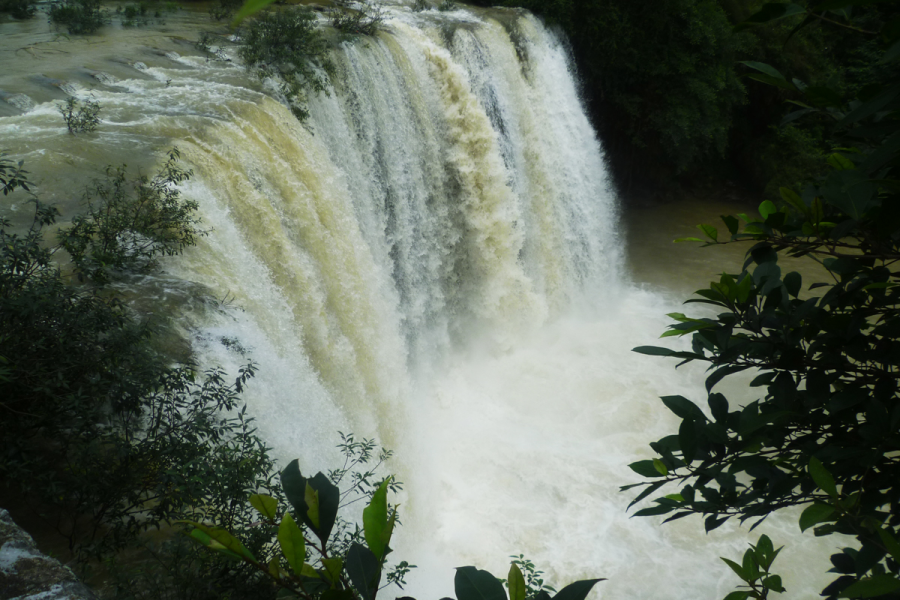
(825, 432)
(664, 84)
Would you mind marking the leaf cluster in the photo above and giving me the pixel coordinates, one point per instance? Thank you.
(312, 566)
(127, 222)
(824, 429)
(18, 9)
(358, 18)
(80, 117)
(79, 16)
(101, 433)
(287, 44)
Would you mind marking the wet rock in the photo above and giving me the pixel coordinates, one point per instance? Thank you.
(26, 574)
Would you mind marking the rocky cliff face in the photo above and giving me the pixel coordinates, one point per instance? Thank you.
(26, 574)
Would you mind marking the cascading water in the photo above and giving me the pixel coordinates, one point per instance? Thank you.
(434, 261)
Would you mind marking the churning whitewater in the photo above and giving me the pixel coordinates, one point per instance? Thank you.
(432, 260)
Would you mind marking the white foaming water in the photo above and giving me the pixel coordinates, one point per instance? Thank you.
(433, 261)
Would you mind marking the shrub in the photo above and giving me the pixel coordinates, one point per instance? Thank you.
(819, 425)
(95, 424)
(360, 18)
(79, 16)
(80, 117)
(287, 44)
(129, 222)
(315, 559)
(18, 9)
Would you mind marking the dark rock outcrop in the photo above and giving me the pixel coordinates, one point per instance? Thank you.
(26, 574)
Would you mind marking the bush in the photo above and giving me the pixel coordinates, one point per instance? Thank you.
(318, 556)
(18, 9)
(365, 18)
(287, 44)
(129, 222)
(79, 16)
(819, 425)
(96, 426)
(80, 117)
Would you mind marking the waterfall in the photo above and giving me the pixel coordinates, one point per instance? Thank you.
(433, 260)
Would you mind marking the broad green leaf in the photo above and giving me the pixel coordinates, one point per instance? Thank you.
(660, 467)
(687, 439)
(840, 162)
(645, 468)
(333, 568)
(250, 8)
(267, 506)
(364, 570)
(773, 582)
(309, 571)
(682, 407)
(224, 540)
(275, 568)
(893, 547)
(815, 513)
(710, 231)
(201, 537)
(293, 546)
(731, 223)
(653, 350)
(738, 595)
(793, 282)
(375, 519)
(576, 591)
(311, 497)
(738, 569)
(294, 485)
(516, 583)
(687, 239)
(767, 208)
(822, 477)
(871, 587)
(474, 584)
(325, 495)
(388, 530)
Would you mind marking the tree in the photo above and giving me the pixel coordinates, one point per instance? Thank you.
(107, 435)
(824, 430)
(288, 44)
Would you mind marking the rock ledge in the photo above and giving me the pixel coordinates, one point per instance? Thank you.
(26, 574)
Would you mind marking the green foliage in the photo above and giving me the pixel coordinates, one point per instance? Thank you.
(79, 16)
(224, 9)
(755, 571)
(12, 175)
(525, 579)
(286, 44)
(825, 428)
(662, 105)
(358, 18)
(128, 223)
(314, 564)
(80, 116)
(18, 9)
(97, 429)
